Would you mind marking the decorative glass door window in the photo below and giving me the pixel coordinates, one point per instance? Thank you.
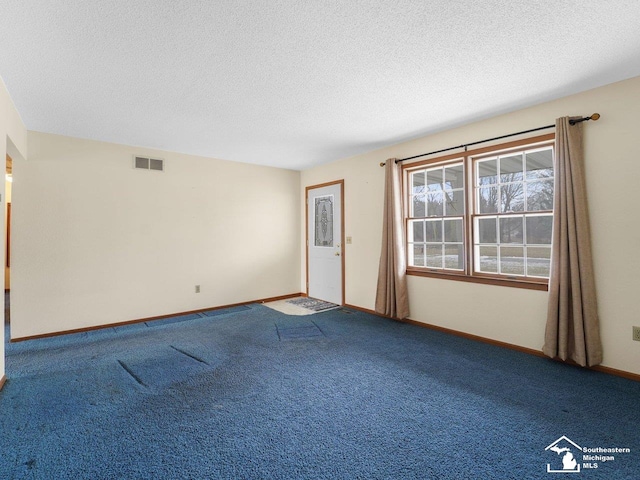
(323, 220)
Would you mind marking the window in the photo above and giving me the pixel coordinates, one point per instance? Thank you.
(486, 215)
(437, 217)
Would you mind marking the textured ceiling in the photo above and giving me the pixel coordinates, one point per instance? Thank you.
(295, 83)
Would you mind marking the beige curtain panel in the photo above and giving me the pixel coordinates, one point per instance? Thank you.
(391, 295)
(572, 331)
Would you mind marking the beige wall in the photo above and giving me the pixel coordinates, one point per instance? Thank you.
(13, 135)
(98, 242)
(507, 314)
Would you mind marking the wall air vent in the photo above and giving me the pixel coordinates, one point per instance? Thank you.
(141, 162)
(146, 163)
(155, 164)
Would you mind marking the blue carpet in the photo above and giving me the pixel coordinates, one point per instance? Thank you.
(224, 311)
(170, 320)
(347, 396)
(297, 328)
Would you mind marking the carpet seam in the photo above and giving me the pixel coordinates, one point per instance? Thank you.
(278, 332)
(130, 372)
(316, 325)
(189, 355)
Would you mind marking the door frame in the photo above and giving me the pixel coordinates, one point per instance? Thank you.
(342, 234)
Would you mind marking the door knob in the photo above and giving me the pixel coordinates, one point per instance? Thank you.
(337, 254)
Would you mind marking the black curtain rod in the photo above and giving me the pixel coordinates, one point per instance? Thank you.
(594, 117)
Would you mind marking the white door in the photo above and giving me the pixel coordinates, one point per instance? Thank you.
(324, 250)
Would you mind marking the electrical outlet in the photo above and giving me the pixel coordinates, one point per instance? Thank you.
(197, 288)
(349, 240)
(636, 334)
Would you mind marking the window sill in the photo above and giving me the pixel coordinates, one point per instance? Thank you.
(503, 282)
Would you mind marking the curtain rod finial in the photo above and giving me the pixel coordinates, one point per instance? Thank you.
(595, 116)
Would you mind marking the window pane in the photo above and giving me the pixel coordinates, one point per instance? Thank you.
(434, 256)
(454, 203)
(487, 259)
(487, 172)
(417, 182)
(418, 207)
(511, 168)
(511, 229)
(512, 197)
(538, 261)
(540, 195)
(454, 177)
(416, 231)
(418, 256)
(434, 204)
(539, 229)
(488, 200)
(453, 257)
(539, 164)
(453, 230)
(434, 180)
(487, 230)
(434, 231)
(512, 260)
